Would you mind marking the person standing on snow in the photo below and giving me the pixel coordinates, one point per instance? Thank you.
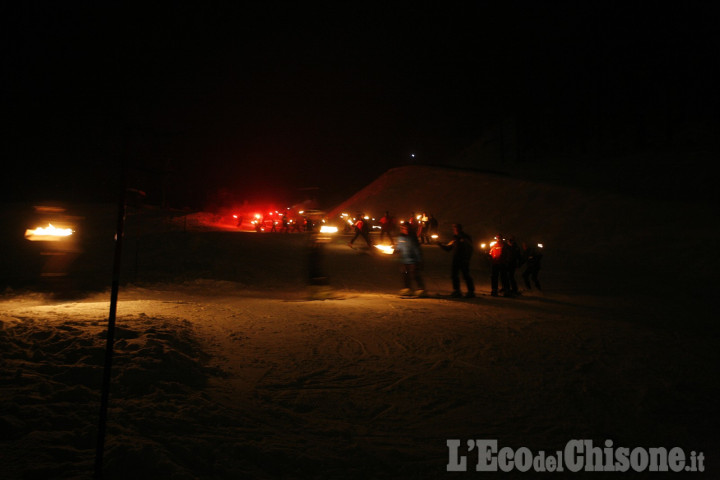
(498, 260)
(412, 224)
(531, 258)
(387, 228)
(432, 227)
(411, 260)
(461, 246)
(362, 228)
(423, 235)
(513, 261)
(285, 227)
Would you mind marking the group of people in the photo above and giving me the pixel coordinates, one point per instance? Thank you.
(411, 259)
(283, 225)
(423, 225)
(505, 256)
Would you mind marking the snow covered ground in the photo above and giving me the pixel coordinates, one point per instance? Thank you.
(225, 368)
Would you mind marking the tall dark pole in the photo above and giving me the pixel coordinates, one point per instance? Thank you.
(111, 318)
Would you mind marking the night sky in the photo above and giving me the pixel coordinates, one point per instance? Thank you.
(263, 100)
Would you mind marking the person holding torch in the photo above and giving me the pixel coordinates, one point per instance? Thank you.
(411, 259)
(461, 246)
(499, 262)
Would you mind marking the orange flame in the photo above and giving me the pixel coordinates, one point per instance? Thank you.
(386, 249)
(48, 234)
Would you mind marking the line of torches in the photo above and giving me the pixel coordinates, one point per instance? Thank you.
(485, 246)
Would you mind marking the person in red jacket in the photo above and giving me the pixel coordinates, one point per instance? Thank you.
(362, 229)
(498, 262)
(387, 228)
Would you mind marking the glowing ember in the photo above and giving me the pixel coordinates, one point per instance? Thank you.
(48, 234)
(386, 249)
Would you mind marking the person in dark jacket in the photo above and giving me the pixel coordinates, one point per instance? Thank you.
(461, 246)
(411, 261)
(514, 255)
(531, 258)
(432, 226)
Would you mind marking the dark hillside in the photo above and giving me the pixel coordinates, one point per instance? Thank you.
(586, 231)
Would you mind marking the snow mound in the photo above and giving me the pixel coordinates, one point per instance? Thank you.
(50, 377)
(585, 229)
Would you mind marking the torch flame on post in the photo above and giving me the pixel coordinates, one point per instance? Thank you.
(48, 234)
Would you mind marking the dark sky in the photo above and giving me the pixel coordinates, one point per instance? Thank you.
(264, 98)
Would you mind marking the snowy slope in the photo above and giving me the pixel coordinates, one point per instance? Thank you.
(585, 230)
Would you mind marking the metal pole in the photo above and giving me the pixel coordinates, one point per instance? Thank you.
(100, 447)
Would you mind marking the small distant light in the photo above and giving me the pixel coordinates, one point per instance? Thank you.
(540, 245)
(434, 237)
(482, 246)
(328, 229)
